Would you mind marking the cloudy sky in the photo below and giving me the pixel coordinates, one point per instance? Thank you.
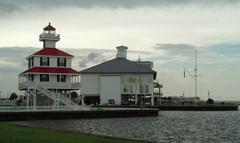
(163, 31)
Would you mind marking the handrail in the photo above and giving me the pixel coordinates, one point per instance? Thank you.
(54, 85)
(54, 96)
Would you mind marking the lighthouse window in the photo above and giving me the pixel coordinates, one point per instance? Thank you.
(30, 62)
(44, 61)
(52, 32)
(61, 78)
(44, 77)
(62, 62)
(30, 77)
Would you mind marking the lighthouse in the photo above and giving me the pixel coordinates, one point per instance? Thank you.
(49, 36)
(49, 78)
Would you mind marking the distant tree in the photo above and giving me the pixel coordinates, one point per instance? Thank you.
(210, 101)
(74, 95)
(13, 96)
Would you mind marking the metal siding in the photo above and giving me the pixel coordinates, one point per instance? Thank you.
(53, 62)
(110, 88)
(69, 63)
(36, 61)
(90, 84)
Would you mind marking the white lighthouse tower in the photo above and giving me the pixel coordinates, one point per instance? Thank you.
(49, 37)
(49, 78)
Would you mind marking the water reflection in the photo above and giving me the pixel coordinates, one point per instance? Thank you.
(168, 127)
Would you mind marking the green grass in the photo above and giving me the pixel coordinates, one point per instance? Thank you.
(11, 133)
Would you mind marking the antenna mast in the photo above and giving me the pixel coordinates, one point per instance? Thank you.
(195, 76)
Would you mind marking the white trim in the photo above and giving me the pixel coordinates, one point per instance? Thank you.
(49, 73)
(69, 57)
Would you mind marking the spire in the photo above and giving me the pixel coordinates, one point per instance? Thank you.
(49, 27)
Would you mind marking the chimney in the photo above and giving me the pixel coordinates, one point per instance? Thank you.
(121, 52)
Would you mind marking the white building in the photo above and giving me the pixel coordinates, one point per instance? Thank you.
(119, 81)
(49, 74)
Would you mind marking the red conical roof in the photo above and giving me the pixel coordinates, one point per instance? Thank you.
(51, 70)
(51, 52)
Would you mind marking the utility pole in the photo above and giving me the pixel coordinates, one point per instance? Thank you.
(195, 76)
(140, 89)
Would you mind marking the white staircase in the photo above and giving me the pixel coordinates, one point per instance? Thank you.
(57, 97)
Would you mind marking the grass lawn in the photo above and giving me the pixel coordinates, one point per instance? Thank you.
(10, 133)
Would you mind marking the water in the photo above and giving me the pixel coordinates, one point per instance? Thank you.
(168, 127)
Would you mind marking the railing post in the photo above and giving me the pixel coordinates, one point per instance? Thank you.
(34, 99)
(27, 99)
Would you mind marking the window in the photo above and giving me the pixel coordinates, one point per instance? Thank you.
(61, 62)
(52, 32)
(128, 88)
(132, 80)
(30, 62)
(44, 77)
(61, 78)
(125, 89)
(146, 88)
(44, 61)
(131, 89)
(30, 77)
(141, 90)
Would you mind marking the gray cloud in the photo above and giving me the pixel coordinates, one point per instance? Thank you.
(176, 49)
(182, 53)
(10, 6)
(12, 59)
(7, 7)
(91, 58)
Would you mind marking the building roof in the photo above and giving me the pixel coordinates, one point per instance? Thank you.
(119, 66)
(51, 52)
(51, 70)
(122, 47)
(49, 27)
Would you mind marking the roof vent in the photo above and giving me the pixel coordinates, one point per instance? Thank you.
(121, 52)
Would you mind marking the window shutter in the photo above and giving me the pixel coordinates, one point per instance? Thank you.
(48, 61)
(28, 63)
(65, 62)
(40, 61)
(32, 61)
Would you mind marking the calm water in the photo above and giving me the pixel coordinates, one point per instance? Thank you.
(169, 127)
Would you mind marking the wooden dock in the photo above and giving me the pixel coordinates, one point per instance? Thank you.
(90, 114)
(172, 107)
